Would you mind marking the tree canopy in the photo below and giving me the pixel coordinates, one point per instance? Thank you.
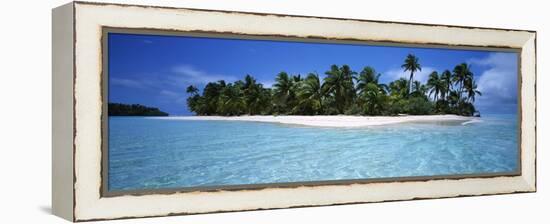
(341, 91)
(119, 109)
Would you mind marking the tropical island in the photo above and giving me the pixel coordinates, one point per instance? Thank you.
(343, 91)
(119, 109)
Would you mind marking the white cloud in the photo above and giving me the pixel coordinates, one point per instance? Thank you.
(501, 60)
(172, 96)
(179, 77)
(396, 73)
(128, 83)
(498, 83)
(189, 74)
(169, 88)
(168, 85)
(169, 93)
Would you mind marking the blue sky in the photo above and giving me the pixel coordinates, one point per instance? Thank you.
(154, 70)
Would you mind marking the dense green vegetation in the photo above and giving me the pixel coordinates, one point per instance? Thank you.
(119, 109)
(342, 91)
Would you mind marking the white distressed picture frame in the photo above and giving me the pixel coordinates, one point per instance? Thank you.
(77, 110)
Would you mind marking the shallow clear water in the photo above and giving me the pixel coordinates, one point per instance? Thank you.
(148, 153)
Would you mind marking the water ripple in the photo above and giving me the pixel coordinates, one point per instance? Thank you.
(153, 153)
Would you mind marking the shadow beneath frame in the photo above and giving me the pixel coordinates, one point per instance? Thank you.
(45, 209)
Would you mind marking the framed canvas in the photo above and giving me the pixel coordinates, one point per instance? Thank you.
(163, 111)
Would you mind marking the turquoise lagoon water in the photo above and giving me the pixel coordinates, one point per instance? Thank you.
(149, 153)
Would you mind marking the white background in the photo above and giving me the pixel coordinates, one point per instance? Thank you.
(25, 112)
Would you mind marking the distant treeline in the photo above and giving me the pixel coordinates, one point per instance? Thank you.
(342, 91)
(119, 109)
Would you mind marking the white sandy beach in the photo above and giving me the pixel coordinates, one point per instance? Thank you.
(332, 121)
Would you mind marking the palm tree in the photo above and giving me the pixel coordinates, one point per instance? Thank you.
(232, 100)
(418, 89)
(253, 95)
(471, 89)
(339, 83)
(435, 85)
(194, 102)
(461, 72)
(447, 84)
(368, 75)
(311, 95)
(399, 88)
(211, 95)
(454, 98)
(297, 78)
(373, 99)
(292, 99)
(191, 89)
(411, 64)
(349, 76)
(282, 90)
(249, 82)
(282, 85)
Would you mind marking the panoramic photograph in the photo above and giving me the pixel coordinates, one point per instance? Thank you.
(214, 112)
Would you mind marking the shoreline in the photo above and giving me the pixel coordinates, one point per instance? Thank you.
(336, 121)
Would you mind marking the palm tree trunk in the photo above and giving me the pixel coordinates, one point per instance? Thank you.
(410, 83)
(320, 105)
(461, 89)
